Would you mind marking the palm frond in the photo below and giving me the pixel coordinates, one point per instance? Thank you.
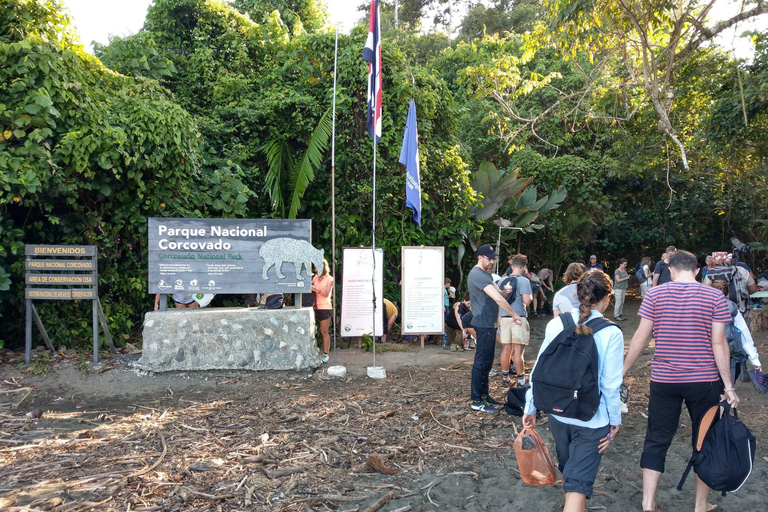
(279, 165)
(304, 170)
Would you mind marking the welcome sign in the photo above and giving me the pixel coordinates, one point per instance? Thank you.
(231, 255)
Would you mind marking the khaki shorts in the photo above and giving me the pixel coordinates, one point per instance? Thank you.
(514, 333)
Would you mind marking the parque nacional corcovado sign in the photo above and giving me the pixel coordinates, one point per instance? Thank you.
(211, 256)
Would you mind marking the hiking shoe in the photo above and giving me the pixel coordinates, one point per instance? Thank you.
(521, 381)
(325, 358)
(505, 382)
(483, 406)
(491, 401)
(493, 372)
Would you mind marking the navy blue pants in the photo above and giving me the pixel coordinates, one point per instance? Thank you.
(484, 351)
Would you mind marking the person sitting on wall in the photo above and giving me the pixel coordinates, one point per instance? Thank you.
(180, 300)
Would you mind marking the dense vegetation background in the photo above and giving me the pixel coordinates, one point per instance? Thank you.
(531, 114)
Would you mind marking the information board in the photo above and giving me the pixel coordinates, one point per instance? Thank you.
(231, 256)
(423, 284)
(62, 272)
(357, 315)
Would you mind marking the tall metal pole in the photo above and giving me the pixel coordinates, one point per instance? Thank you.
(333, 190)
(373, 252)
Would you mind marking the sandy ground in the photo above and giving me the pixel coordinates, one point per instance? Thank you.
(473, 469)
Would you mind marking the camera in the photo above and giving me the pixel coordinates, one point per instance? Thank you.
(739, 247)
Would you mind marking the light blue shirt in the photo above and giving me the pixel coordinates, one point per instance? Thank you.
(610, 358)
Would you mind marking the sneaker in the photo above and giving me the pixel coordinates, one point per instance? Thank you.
(483, 406)
(325, 358)
(521, 381)
(505, 382)
(492, 401)
(493, 372)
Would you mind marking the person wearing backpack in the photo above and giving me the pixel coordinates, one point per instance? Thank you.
(644, 276)
(690, 364)
(737, 334)
(583, 347)
(740, 283)
(514, 336)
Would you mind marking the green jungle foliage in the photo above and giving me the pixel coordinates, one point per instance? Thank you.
(222, 110)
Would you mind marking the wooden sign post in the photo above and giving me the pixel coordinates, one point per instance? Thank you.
(62, 272)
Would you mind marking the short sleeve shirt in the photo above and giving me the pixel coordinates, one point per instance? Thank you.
(682, 316)
(485, 309)
(523, 286)
(566, 299)
(620, 274)
(662, 269)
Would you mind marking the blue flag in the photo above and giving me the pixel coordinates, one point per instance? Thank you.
(409, 157)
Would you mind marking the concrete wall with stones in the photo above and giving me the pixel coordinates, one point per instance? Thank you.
(229, 338)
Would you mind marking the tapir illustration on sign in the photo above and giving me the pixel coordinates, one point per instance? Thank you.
(299, 252)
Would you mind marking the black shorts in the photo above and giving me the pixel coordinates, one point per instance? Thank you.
(323, 314)
(664, 407)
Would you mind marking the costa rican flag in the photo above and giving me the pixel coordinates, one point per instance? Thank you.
(372, 55)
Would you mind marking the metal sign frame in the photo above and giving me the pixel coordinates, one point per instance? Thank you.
(75, 278)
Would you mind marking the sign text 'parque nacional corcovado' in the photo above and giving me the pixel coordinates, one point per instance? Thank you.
(231, 256)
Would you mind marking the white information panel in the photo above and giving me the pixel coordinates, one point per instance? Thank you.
(423, 280)
(357, 313)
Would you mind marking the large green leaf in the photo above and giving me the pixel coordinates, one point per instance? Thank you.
(304, 172)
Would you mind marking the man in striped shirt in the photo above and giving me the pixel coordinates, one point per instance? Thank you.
(690, 364)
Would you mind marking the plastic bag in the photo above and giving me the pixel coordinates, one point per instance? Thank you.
(535, 464)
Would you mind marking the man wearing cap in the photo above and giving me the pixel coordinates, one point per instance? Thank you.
(594, 265)
(486, 299)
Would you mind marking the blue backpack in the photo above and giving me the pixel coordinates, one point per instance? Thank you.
(639, 274)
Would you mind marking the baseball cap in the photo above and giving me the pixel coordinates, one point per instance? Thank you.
(487, 251)
(593, 256)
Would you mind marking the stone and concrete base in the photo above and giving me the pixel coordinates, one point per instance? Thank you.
(229, 339)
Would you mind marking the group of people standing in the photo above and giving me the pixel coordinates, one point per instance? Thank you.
(690, 365)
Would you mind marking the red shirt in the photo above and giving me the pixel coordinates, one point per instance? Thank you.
(682, 316)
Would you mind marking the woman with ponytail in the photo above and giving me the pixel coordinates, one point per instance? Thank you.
(580, 444)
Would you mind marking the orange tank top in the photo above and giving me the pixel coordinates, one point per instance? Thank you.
(325, 286)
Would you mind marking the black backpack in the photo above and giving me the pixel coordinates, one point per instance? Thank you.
(724, 452)
(565, 378)
(512, 281)
(515, 405)
(734, 336)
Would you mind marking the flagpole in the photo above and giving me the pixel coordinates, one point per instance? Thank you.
(333, 190)
(373, 253)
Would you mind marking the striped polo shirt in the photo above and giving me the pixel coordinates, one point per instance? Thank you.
(682, 316)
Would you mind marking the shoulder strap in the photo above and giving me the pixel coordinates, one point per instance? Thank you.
(567, 320)
(685, 474)
(600, 323)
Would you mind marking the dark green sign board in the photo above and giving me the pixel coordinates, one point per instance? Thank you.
(231, 255)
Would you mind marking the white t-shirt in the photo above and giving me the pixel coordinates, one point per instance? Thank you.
(565, 299)
(648, 272)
